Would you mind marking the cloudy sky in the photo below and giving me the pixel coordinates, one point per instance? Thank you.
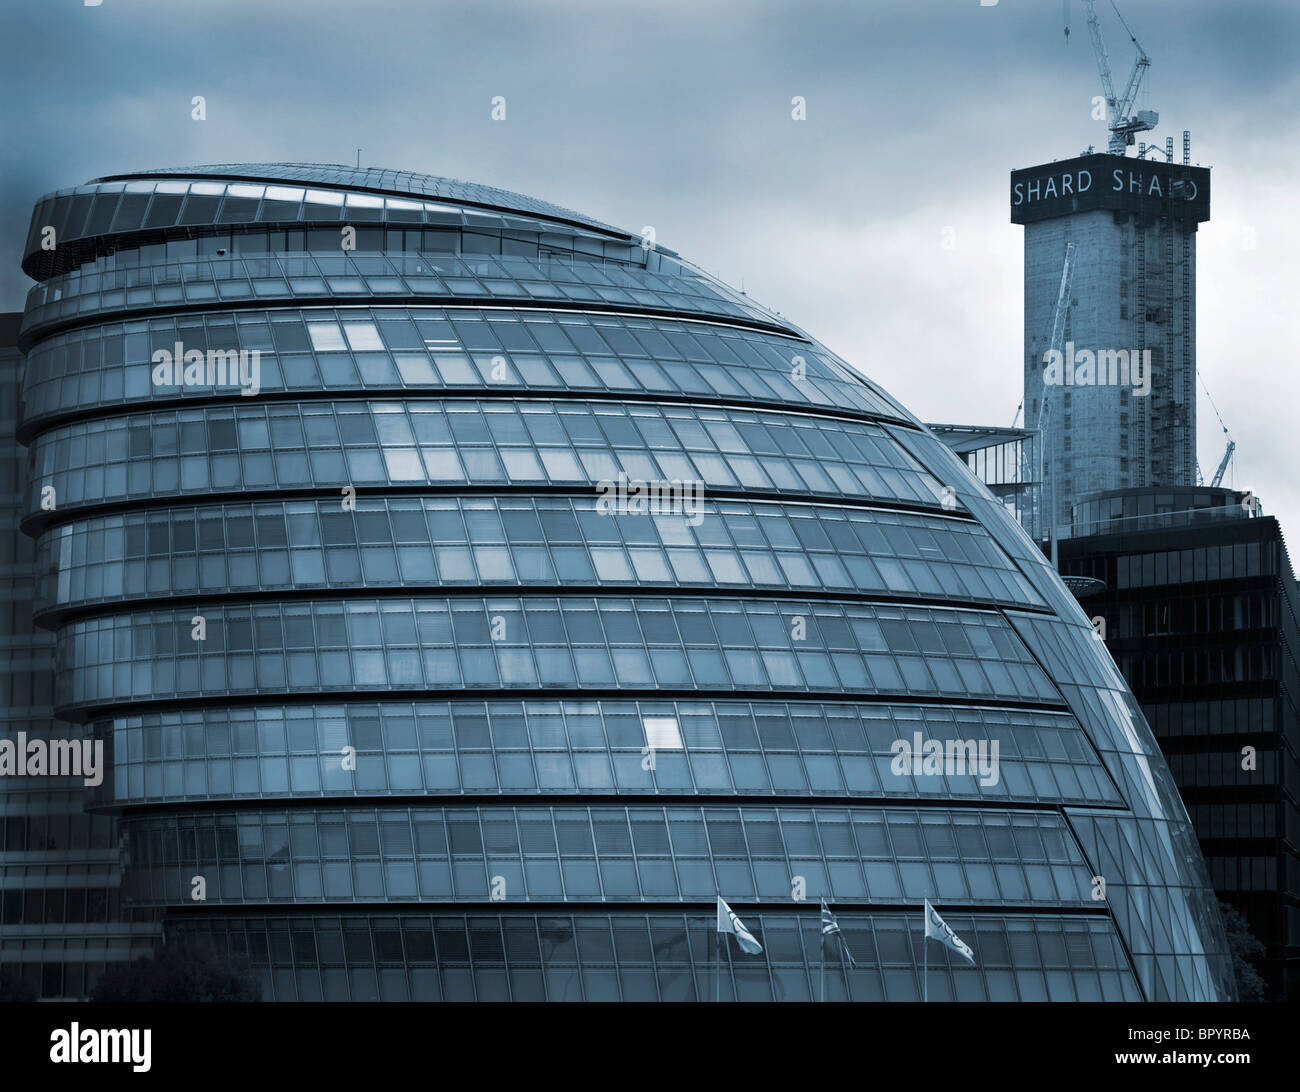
(676, 114)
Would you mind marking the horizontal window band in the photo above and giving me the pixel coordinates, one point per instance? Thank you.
(32, 430)
(664, 644)
(834, 776)
(471, 542)
(30, 338)
(53, 618)
(86, 713)
(44, 319)
(550, 212)
(806, 802)
(528, 216)
(648, 838)
(36, 522)
(706, 909)
(704, 727)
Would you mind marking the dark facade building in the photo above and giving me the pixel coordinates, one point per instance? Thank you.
(472, 592)
(61, 913)
(1200, 612)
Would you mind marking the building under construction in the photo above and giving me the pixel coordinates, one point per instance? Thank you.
(1190, 585)
(1116, 362)
(1110, 305)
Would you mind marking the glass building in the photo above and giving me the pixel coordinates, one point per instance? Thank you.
(1007, 461)
(521, 588)
(61, 915)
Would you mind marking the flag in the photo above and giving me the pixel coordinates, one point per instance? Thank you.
(729, 923)
(936, 927)
(831, 928)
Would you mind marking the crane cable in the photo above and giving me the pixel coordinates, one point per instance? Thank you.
(1210, 398)
(1131, 36)
(1222, 424)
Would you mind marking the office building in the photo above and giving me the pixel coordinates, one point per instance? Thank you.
(1199, 607)
(472, 593)
(62, 920)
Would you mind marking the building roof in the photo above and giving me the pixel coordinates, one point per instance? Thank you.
(374, 179)
(964, 438)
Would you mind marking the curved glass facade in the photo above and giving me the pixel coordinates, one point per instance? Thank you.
(451, 541)
(471, 443)
(493, 592)
(350, 352)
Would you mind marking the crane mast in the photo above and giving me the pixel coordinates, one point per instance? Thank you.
(1123, 124)
(1229, 451)
(1044, 413)
(1223, 464)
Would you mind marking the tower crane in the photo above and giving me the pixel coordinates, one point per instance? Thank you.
(1229, 451)
(1057, 344)
(1123, 125)
(1223, 464)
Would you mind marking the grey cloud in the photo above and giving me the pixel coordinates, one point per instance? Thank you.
(677, 115)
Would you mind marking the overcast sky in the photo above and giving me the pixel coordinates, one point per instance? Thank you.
(677, 115)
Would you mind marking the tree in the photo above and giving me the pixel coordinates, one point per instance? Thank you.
(182, 971)
(13, 987)
(1246, 949)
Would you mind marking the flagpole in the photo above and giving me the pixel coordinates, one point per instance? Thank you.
(823, 966)
(925, 964)
(717, 978)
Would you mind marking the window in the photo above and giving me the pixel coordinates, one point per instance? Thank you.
(361, 336)
(325, 336)
(662, 733)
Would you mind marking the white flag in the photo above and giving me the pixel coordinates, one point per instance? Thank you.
(729, 923)
(936, 927)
